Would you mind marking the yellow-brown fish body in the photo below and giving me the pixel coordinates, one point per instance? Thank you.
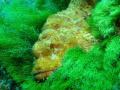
(63, 30)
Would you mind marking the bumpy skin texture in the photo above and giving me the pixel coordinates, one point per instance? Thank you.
(63, 30)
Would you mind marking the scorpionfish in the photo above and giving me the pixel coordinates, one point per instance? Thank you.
(61, 31)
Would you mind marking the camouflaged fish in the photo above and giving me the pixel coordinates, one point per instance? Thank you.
(61, 31)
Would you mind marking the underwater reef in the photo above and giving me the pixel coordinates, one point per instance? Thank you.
(21, 22)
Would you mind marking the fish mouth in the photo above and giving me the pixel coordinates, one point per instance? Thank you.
(42, 75)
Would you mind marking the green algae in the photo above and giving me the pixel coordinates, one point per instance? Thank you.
(20, 24)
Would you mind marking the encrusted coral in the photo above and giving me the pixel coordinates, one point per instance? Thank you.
(63, 30)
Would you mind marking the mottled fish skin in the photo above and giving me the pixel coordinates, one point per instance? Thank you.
(63, 30)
